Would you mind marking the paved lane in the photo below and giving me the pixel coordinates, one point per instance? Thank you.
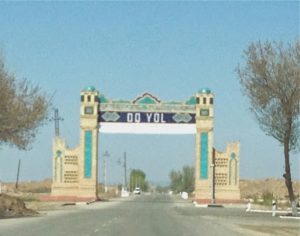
(148, 215)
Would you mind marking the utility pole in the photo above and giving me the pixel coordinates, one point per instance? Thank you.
(56, 120)
(130, 182)
(213, 178)
(106, 155)
(17, 181)
(125, 171)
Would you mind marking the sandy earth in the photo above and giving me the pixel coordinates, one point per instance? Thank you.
(30, 193)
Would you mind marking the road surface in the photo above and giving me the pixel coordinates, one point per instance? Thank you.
(147, 215)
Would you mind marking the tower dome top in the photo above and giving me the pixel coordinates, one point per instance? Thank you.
(90, 88)
(205, 90)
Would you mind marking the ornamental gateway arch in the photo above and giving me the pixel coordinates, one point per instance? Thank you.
(75, 171)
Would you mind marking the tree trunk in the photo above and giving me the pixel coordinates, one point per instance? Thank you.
(287, 176)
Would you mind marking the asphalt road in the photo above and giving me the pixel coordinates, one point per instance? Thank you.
(147, 215)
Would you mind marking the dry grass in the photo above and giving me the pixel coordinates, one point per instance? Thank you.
(112, 192)
(29, 192)
(43, 186)
(275, 187)
(11, 206)
(249, 189)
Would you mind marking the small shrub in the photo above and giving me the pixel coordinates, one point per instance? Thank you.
(265, 199)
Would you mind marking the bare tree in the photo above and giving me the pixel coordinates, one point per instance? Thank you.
(270, 79)
(23, 108)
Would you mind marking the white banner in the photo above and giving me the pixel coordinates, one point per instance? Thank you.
(146, 128)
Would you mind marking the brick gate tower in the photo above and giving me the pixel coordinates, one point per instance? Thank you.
(216, 173)
(89, 129)
(204, 144)
(75, 171)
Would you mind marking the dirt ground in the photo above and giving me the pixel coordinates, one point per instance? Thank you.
(270, 186)
(25, 200)
(273, 229)
(11, 206)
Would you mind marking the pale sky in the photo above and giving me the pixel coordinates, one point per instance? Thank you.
(169, 49)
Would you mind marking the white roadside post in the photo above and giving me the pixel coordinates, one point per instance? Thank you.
(248, 206)
(273, 208)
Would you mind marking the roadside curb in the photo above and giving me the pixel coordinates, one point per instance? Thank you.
(270, 211)
(290, 217)
(208, 205)
(201, 205)
(78, 203)
(88, 203)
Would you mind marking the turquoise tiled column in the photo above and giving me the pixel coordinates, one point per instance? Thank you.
(204, 155)
(88, 154)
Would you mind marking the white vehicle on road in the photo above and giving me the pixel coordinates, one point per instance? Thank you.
(137, 190)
